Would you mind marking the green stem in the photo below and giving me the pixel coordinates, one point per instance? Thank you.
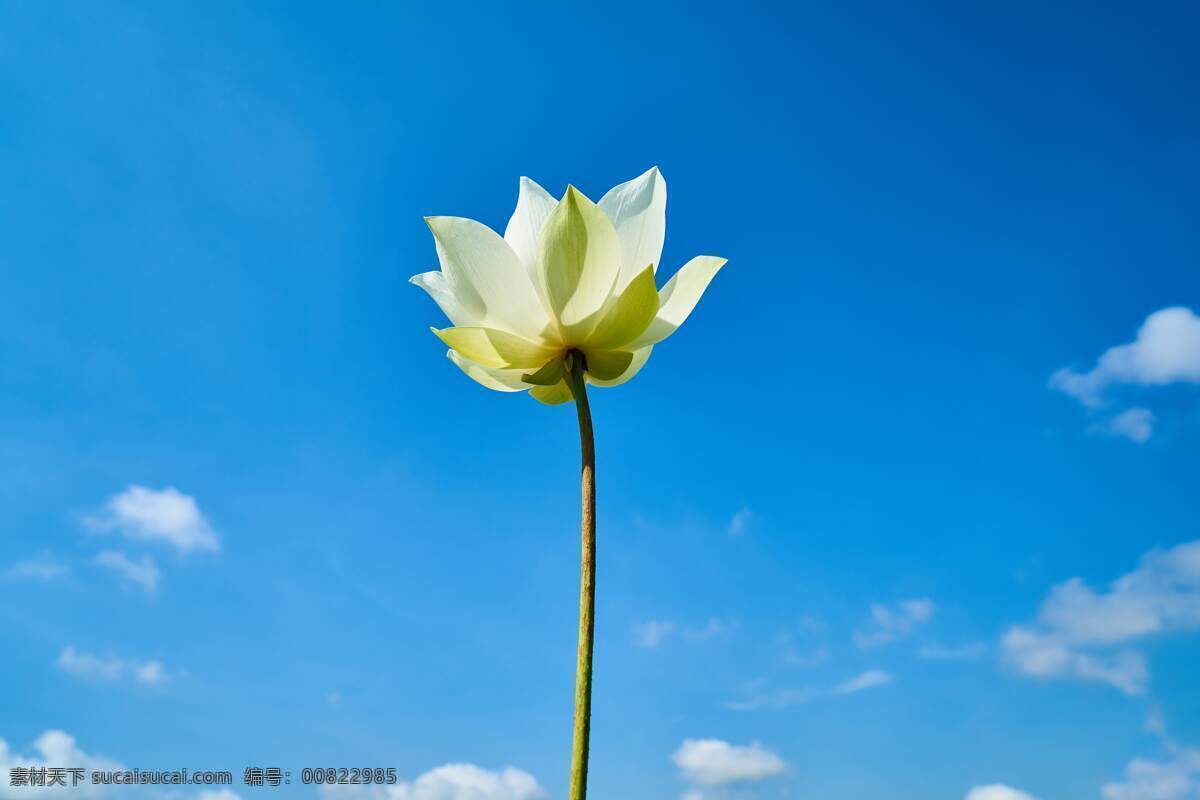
(587, 587)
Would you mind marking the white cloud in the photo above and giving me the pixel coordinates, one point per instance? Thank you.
(867, 680)
(740, 522)
(1078, 627)
(449, 782)
(220, 794)
(1049, 656)
(997, 791)
(712, 762)
(963, 652)
(142, 573)
(145, 514)
(106, 668)
(42, 567)
(54, 748)
(650, 634)
(1166, 350)
(1177, 778)
(890, 623)
(1135, 424)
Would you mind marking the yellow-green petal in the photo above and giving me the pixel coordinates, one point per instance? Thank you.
(495, 348)
(579, 262)
(500, 380)
(552, 395)
(607, 365)
(550, 373)
(679, 297)
(640, 357)
(629, 315)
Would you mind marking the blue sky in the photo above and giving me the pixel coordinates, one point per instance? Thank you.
(860, 520)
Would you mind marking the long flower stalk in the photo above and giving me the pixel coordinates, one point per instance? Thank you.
(587, 585)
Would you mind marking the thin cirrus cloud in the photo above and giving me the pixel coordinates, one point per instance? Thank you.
(449, 782)
(1086, 634)
(1166, 350)
(997, 791)
(892, 623)
(106, 669)
(42, 567)
(860, 683)
(708, 763)
(779, 699)
(144, 573)
(962, 652)
(653, 633)
(165, 515)
(739, 523)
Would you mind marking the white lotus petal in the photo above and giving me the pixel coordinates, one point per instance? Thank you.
(435, 285)
(488, 280)
(679, 297)
(638, 210)
(500, 380)
(639, 361)
(579, 261)
(524, 230)
(495, 348)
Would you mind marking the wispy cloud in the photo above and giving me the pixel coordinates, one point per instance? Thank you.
(1175, 776)
(143, 574)
(165, 515)
(934, 651)
(1079, 630)
(42, 567)
(870, 679)
(997, 791)
(740, 522)
(778, 699)
(652, 633)
(712, 629)
(108, 668)
(891, 623)
(1135, 424)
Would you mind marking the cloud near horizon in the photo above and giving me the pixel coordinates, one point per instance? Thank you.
(449, 782)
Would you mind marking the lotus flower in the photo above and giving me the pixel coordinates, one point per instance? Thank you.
(566, 298)
(570, 278)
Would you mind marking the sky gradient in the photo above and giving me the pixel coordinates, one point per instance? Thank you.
(859, 521)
